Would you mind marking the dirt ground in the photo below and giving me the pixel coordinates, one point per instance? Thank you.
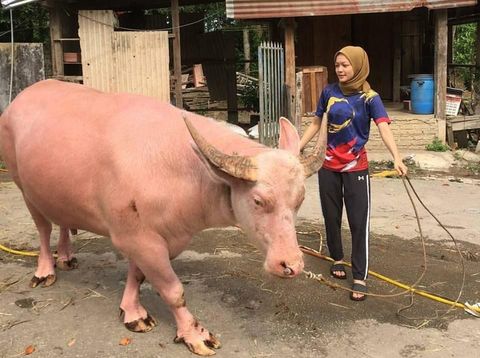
(255, 315)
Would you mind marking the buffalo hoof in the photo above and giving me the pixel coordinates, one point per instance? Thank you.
(141, 325)
(67, 265)
(202, 348)
(47, 281)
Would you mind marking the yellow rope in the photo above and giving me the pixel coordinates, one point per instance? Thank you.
(17, 252)
(385, 173)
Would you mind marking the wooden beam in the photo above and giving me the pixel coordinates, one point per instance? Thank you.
(232, 103)
(55, 43)
(441, 39)
(475, 84)
(397, 56)
(246, 51)
(298, 102)
(462, 123)
(177, 56)
(290, 66)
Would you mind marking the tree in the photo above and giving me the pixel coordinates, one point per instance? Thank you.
(30, 24)
(464, 51)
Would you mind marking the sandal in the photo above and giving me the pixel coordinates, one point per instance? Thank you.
(338, 267)
(358, 288)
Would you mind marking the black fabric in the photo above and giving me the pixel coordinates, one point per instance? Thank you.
(353, 189)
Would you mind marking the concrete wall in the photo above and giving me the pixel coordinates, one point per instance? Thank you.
(28, 68)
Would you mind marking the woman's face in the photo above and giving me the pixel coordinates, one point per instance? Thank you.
(343, 68)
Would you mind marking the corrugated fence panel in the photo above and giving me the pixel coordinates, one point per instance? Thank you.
(141, 63)
(95, 31)
(134, 62)
(254, 9)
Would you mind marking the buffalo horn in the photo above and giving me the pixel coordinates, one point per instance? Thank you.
(238, 166)
(313, 162)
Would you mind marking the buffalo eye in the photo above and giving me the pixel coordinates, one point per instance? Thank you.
(258, 202)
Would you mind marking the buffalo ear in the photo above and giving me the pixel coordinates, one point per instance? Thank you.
(289, 139)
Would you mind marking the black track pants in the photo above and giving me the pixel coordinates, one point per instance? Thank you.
(353, 188)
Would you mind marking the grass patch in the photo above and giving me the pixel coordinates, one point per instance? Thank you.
(474, 168)
(437, 146)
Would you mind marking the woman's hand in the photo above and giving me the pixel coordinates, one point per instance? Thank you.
(400, 167)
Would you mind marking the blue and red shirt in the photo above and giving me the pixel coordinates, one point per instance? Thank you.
(349, 126)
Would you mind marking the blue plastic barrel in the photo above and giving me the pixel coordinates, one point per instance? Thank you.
(422, 92)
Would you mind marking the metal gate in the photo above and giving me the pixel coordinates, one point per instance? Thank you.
(271, 89)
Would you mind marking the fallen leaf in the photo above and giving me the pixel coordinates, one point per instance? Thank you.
(125, 341)
(29, 350)
(72, 342)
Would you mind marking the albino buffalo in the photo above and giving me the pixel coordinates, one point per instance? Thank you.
(126, 166)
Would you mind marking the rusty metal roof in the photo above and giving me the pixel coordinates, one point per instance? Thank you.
(256, 9)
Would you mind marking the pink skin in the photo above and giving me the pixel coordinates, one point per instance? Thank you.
(343, 68)
(124, 166)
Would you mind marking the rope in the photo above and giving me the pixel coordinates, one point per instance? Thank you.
(17, 252)
(407, 289)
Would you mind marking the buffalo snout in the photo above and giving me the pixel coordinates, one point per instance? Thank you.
(285, 268)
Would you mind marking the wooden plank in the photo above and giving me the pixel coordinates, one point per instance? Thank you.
(313, 90)
(475, 72)
(307, 104)
(56, 46)
(246, 51)
(298, 102)
(198, 77)
(290, 65)
(450, 137)
(397, 57)
(441, 38)
(321, 79)
(177, 56)
(458, 124)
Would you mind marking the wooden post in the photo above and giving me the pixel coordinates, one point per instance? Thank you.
(441, 38)
(298, 102)
(232, 103)
(397, 56)
(246, 51)
(450, 45)
(476, 73)
(177, 56)
(290, 66)
(55, 42)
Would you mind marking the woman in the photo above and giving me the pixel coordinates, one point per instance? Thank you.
(349, 105)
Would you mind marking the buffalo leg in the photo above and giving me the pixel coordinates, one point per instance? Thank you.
(45, 272)
(65, 259)
(153, 259)
(135, 316)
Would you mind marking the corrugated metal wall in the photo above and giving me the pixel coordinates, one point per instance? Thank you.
(255, 9)
(141, 63)
(134, 62)
(95, 29)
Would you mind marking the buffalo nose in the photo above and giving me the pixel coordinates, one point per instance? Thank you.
(287, 271)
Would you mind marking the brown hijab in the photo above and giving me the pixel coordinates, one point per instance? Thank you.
(359, 60)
